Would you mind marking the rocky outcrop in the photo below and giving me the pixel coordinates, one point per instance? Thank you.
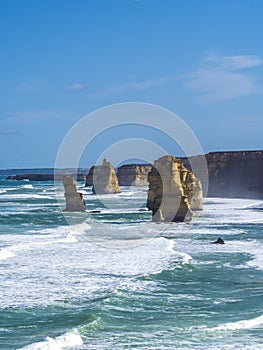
(74, 199)
(134, 174)
(173, 191)
(103, 179)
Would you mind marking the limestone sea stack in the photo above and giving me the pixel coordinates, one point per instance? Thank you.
(134, 174)
(74, 199)
(103, 179)
(173, 191)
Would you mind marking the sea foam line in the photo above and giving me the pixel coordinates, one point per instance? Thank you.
(243, 324)
(66, 340)
(9, 252)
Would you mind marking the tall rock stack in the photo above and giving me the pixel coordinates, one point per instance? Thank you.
(103, 179)
(173, 192)
(74, 199)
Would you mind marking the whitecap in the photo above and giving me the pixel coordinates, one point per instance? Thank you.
(25, 196)
(239, 325)
(66, 340)
(27, 186)
(5, 254)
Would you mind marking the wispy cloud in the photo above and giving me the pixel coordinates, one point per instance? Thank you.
(224, 77)
(32, 116)
(76, 87)
(8, 132)
(132, 86)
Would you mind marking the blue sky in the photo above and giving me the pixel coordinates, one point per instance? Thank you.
(63, 59)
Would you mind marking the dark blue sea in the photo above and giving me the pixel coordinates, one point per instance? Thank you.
(112, 279)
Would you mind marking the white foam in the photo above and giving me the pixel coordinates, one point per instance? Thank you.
(9, 252)
(66, 340)
(239, 325)
(25, 196)
(2, 191)
(5, 254)
(27, 186)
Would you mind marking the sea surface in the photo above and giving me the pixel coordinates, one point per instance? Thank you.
(115, 280)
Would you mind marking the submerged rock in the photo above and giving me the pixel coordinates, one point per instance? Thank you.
(103, 178)
(173, 191)
(74, 199)
(219, 241)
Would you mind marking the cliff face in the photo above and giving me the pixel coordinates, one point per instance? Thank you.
(134, 174)
(103, 179)
(173, 191)
(235, 174)
(74, 199)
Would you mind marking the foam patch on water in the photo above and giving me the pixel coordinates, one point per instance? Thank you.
(66, 340)
(5, 254)
(27, 186)
(25, 196)
(240, 325)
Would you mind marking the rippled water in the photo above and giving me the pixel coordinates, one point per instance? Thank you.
(118, 281)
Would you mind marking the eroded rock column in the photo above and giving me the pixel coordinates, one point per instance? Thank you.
(74, 199)
(173, 191)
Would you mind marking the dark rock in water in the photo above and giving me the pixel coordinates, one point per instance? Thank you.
(219, 241)
(103, 179)
(74, 199)
(43, 177)
(134, 174)
(172, 189)
(11, 177)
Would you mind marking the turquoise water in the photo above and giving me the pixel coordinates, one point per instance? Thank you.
(114, 280)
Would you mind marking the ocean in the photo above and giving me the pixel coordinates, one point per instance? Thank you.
(115, 280)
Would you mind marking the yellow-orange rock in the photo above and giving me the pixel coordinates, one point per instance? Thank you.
(173, 191)
(104, 179)
(74, 199)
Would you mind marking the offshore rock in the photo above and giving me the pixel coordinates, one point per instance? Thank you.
(74, 199)
(134, 174)
(173, 191)
(219, 241)
(103, 179)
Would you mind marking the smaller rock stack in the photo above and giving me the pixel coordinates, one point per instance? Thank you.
(173, 192)
(103, 179)
(134, 174)
(74, 199)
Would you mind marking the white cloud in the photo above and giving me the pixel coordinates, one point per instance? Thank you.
(8, 132)
(76, 86)
(235, 62)
(140, 85)
(223, 77)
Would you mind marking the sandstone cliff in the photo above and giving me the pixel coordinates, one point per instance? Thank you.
(237, 174)
(134, 174)
(74, 199)
(173, 192)
(103, 179)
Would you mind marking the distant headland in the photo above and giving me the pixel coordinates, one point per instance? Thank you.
(232, 174)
